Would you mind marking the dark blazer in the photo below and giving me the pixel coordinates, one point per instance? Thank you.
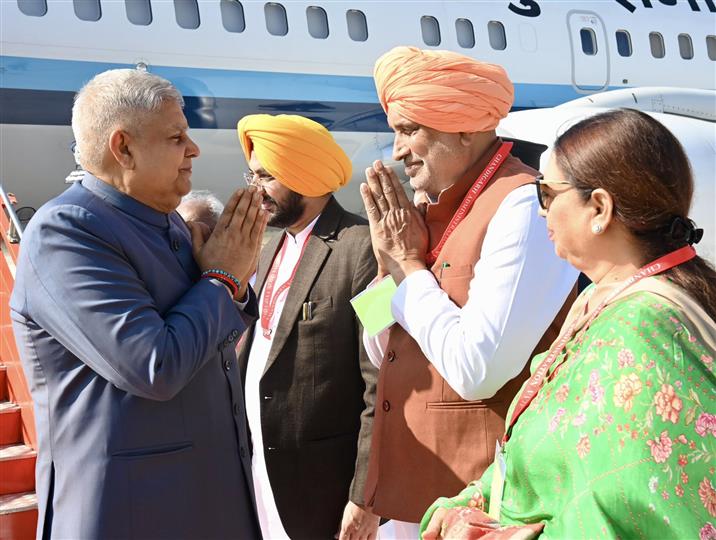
(318, 387)
(131, 364)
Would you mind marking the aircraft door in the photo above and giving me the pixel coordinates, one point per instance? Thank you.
(590, 55)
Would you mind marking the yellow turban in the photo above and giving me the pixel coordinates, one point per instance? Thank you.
(298, 152)
(443, 90)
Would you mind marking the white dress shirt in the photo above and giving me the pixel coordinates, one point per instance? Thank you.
(519, 285)
(269, 519)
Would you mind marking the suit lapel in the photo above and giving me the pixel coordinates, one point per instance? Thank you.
(265, 260)
(311, 263)
(268, 253)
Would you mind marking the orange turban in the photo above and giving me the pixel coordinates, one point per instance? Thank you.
(298, 152)
(443, 90)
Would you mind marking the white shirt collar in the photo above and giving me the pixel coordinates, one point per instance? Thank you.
(301, 237)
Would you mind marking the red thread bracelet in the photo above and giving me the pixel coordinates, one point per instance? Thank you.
(222, 279)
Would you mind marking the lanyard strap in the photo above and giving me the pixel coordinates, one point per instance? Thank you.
(470, 198)
(535, 382)
(268, 306)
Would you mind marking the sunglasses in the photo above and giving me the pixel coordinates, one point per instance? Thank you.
(543, 197)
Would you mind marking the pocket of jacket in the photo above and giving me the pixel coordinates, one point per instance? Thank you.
(460, 271)
(153, 451)
(333, 437)
(460, 405)
(318, 306)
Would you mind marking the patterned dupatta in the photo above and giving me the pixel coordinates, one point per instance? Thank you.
(697, 320)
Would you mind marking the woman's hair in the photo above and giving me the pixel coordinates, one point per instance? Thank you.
(644, 168)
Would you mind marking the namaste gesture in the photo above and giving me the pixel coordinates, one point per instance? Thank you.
(397, 228)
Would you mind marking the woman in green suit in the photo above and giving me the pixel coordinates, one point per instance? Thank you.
(614, 435)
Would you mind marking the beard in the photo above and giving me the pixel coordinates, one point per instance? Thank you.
(287, 212)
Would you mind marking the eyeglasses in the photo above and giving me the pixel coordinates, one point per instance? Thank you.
(543, 197)
(253, 179)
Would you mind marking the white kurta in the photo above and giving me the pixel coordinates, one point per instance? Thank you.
(269, 519)
(518, 286)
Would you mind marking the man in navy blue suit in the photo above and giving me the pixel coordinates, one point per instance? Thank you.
(127, 331)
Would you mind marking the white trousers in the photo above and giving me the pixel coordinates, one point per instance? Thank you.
(399, 530)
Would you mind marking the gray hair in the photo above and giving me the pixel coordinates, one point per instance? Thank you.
(206, 198)
(115, 98)
(201, 206)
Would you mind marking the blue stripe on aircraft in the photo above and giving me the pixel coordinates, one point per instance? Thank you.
(54, 108)
(22, 73)
(71, 75)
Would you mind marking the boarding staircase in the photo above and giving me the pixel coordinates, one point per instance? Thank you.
(18, 439)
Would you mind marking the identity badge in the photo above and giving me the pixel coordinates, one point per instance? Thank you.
(373, 306)
(498, 482)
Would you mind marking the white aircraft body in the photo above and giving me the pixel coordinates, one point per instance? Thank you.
(231, 58)
(689, 114)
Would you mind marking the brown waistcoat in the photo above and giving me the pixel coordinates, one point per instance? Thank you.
(427, 441)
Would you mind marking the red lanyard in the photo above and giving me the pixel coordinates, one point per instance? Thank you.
(268, 306)
(662, 264)
(472, 195)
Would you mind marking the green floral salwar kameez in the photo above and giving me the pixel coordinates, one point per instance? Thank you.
(620, 442)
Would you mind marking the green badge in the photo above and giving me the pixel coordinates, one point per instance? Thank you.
(373, 306)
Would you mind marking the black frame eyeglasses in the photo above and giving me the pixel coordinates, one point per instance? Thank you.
(540, 181)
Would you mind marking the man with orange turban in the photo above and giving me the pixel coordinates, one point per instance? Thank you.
(479, 286)
(309, 385)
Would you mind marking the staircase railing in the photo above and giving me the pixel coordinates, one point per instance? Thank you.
(10, 236)
(14, 231)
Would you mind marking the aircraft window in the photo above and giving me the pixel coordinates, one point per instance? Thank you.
(656, 42)
(276, 20)
(430, 28)
(138, 12)
(686, 47)
(623, 43)
(496, 33)
(187, 14)
(711, 47)
(465, 33)
(232, 16)
(357, 25)
(589, 41)
(33, 8)
(317, 22)
(87, 10)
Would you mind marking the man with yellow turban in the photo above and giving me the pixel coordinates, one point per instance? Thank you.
(309, 385)
(479, 285)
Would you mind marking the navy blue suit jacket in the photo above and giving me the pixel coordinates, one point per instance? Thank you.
(131, 364)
